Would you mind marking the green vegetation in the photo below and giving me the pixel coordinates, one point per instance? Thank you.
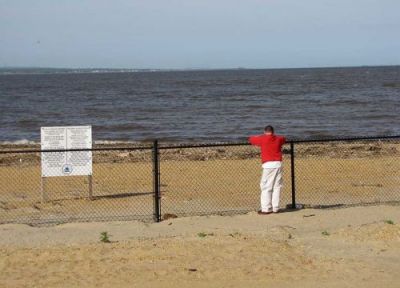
(104, 237)
(203, 235)
(389, 222)
(235, 234)
(325, 233)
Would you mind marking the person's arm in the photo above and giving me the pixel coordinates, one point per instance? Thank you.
(283, 140)
(255, 140)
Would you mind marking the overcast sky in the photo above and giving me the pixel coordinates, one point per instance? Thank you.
(199, 33)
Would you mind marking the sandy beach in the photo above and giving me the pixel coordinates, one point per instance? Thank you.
(343, 247)
(309, 248)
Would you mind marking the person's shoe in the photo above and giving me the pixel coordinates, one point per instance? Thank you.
(264, 213)
(277, 211)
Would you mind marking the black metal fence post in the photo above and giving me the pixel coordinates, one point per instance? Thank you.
(156, 182)
(292, 175)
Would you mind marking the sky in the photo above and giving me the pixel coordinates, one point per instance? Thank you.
(184, 34)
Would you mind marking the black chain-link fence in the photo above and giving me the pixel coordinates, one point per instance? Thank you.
(342, 173)
(120, 188)
(213, 179)
(150, 182)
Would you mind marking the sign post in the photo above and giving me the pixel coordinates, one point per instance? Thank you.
(66, 163)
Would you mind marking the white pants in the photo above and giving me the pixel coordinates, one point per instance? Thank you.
(271, 183)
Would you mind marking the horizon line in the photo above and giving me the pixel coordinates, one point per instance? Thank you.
(193, 68)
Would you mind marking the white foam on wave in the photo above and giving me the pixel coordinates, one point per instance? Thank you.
(19, 142)
(103, 142)
(30, 142)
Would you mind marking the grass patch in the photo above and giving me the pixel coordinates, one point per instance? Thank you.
(325, 233)
(105, 237)
(235, 234)
(203, 235)
(388, 221)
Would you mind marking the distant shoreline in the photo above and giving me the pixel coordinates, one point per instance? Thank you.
(55, 70)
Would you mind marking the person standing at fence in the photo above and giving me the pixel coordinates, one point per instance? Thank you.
(271, 158)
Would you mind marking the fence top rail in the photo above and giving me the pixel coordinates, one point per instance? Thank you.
(76, 150)
(344, 139)
(298, 141)
(201, 145)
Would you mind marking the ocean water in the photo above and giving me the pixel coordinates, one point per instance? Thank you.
(203, 106)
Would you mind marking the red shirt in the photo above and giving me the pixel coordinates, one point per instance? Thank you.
(271, 146)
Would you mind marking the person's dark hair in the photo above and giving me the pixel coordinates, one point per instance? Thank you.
(269, 128)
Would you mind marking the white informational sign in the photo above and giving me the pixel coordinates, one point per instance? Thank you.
(73, 163)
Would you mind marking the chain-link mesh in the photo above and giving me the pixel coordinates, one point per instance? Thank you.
(341, 173)
(209, 180)
(120, 188)
(196, 181)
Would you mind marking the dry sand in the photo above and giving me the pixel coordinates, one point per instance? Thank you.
(307, 248)
(123, 190)
(360, 248)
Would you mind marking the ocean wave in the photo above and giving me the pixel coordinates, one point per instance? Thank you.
(19, 142)
(108, 142)
(96, 142)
